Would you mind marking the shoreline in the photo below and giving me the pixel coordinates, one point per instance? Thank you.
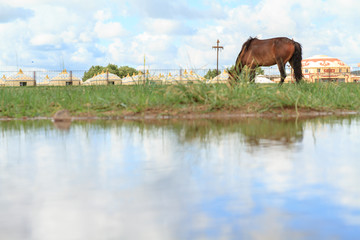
(219, 115)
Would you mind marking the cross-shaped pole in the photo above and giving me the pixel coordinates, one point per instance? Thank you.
(217, 47)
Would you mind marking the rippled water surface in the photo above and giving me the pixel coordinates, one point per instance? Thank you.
(244, 179)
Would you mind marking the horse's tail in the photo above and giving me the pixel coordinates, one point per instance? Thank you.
(295, 61)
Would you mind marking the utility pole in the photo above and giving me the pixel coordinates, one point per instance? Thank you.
(217, 47)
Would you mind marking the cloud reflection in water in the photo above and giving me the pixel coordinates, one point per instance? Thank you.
(252, 179)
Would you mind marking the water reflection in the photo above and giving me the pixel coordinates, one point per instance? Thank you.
(62, 125)
(208, 179)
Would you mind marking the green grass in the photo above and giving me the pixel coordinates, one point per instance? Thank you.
(100, 101)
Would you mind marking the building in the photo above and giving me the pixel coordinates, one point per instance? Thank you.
(322, 68)
(134, 79)
(104, 78)
(19, 79)
(191, 77)
(156, 79)
(2, 80)
(44, 82)
(221, 78)
(64, 79)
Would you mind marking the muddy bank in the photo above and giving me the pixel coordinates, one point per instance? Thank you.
(156, 114)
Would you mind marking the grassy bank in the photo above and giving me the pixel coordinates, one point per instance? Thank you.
(18, 102)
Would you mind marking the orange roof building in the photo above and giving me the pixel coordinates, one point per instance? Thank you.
(323, 68)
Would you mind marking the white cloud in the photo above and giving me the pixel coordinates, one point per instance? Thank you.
(103, 15)
(45, 39)
(109, 30)
(163, 9)
(158, 49)
(81, 55)
(167, 26)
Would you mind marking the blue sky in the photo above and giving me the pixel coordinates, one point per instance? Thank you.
(172, 34)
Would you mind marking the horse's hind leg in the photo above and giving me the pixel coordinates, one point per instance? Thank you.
(281, 67)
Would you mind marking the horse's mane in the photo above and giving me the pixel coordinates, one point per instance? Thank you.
(247, 44)
(243, 48)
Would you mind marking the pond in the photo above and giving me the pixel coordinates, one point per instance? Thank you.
(171, 179)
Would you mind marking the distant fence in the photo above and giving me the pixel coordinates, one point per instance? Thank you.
(41, 75)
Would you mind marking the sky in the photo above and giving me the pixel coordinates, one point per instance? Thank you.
(77, 34)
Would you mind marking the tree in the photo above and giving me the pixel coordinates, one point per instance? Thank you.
(112, 68)
(125, 70)
(211, 74)
(92, 71)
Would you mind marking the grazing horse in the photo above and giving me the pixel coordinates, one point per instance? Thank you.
(268, 52)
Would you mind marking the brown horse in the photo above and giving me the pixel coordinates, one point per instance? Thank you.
(268, 52)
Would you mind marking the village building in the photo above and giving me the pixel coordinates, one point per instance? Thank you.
(2, 80)
(45, 81)
(64, 79)
(191, 77)
(140, 78)
(104, 78)
(129, 80)
(221, 78)
(156, 79)
(322, 68)
(19, 79)
(169, 78)
(183, 78)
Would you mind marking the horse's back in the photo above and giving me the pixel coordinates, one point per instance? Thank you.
(274, 48)
(276, 39)
(278, 42)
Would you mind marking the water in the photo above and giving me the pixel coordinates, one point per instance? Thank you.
(245, 179)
